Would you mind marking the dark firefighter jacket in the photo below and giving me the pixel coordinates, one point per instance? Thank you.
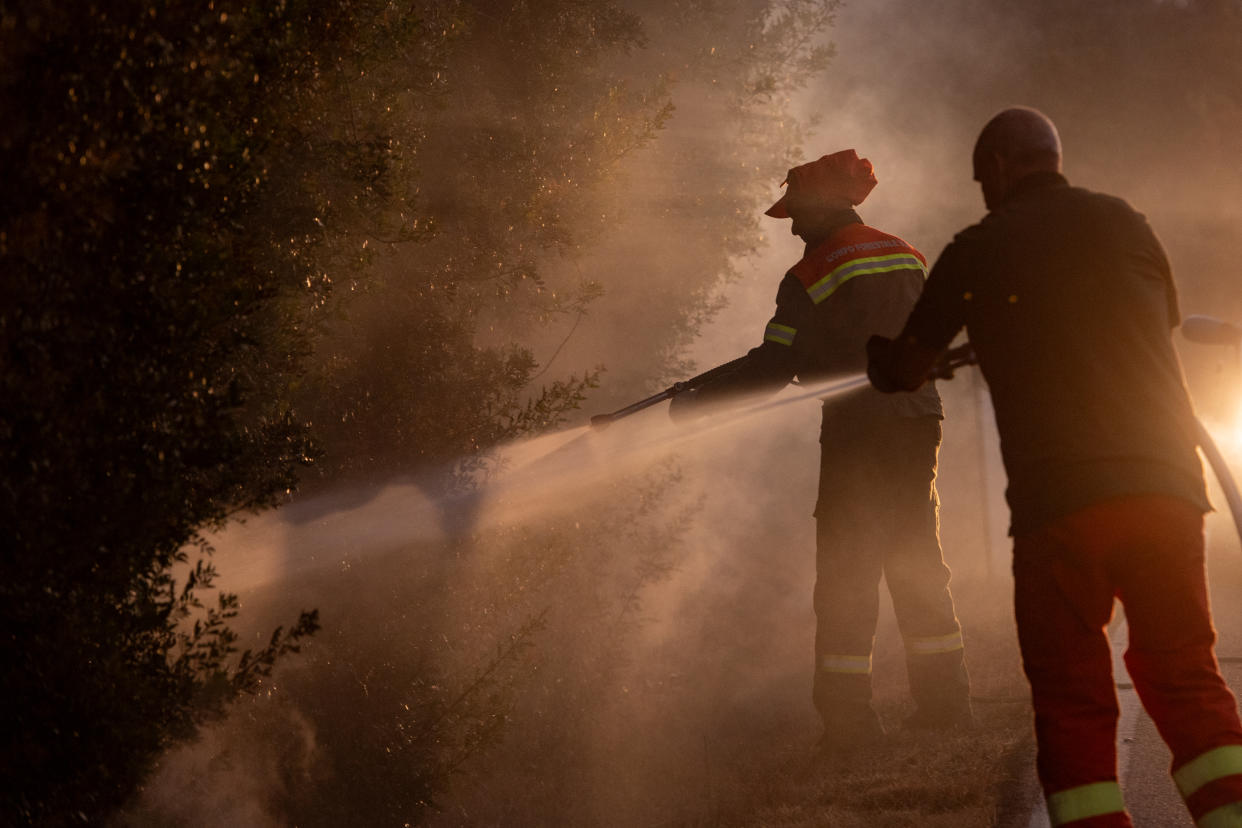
(857, 282)
(1069, 300)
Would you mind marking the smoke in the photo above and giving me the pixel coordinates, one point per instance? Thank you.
(239, 773)
(662, 577)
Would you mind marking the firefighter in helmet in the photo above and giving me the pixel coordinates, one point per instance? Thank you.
(877, 506)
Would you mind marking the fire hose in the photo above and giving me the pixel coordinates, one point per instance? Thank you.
(1202, 329)
(1197, 328)
(1208, 330)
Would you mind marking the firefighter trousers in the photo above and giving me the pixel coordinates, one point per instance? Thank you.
(877, 516)
(1146, 551)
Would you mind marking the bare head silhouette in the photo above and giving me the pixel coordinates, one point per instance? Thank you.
(1015, 143)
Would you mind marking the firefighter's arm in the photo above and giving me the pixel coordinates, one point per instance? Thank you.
(1159, 261)
(906, 362)
(766, 368)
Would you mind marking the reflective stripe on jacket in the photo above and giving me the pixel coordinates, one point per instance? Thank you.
(857, 282)
(853, 251)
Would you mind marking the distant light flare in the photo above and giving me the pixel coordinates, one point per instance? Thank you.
(1233, 433)
(1227, 432)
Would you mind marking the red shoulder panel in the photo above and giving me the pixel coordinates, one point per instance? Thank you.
(852, 242)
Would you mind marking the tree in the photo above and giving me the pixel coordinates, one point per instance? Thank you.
(169, 170)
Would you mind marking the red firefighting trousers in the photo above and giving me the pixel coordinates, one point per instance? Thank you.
(1148, 552)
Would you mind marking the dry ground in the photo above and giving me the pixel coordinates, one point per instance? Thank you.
(972, 779)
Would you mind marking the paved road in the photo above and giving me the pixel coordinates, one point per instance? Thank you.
(1142, 758)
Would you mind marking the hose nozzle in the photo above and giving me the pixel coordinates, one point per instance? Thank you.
(953, 359)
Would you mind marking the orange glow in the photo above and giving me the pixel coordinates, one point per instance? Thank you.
(1234, 436)
(1227, 433)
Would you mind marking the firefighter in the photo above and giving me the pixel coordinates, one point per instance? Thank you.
(877, 505)
(1069, 302)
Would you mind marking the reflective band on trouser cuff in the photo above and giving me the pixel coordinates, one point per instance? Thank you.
(1084, 802)
(1226, 816)
(1208, 767)
(780, 334)
(826, 286)
(935, 644)
(857, 665)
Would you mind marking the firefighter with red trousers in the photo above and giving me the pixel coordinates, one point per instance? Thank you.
(1069, 302)
(877, 504)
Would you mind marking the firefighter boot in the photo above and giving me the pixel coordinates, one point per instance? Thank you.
(849, 730)
(941, 690)
(850, 723)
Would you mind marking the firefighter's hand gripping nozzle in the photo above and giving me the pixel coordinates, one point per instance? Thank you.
(602, 421)
(880, 365)
(953, 359)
